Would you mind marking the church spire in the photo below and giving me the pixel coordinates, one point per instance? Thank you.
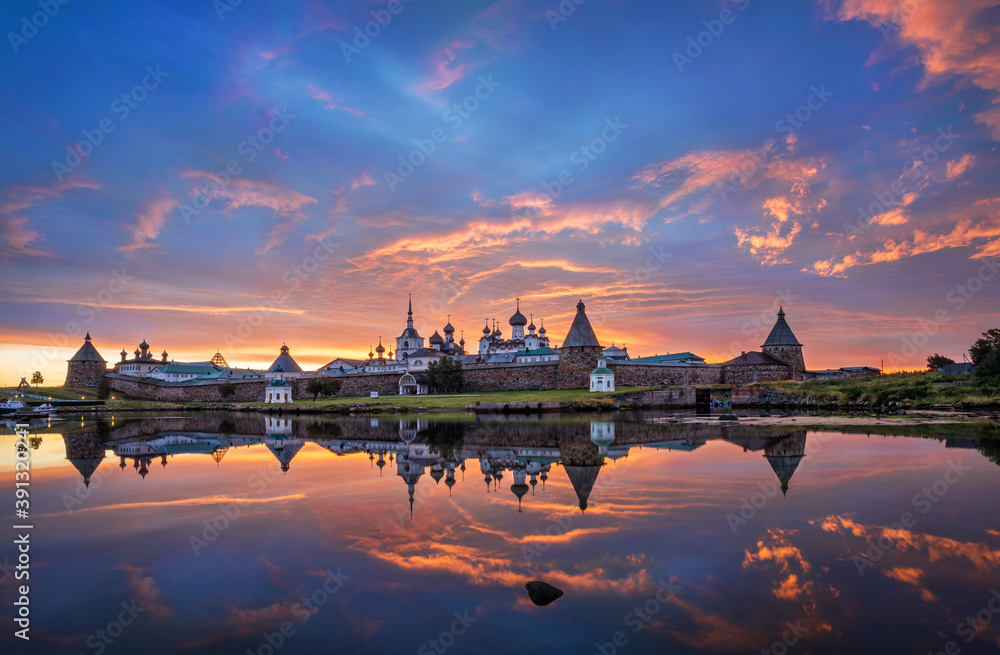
(409, 313)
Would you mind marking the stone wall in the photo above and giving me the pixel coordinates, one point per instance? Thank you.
(749, 374)
(790, 355)
(150, 389)
(647, 375)
(575, 365)
(513, 377)
(84, 374)
(386, 384)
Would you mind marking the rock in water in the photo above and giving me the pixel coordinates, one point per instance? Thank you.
(727, 417)
(542, 593)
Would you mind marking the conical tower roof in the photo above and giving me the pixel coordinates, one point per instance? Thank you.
(781, 334)
(583, 479)
(285, 362)
(580, 332)
(87, 352)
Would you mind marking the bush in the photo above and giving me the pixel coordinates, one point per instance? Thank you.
(227, 390)
(317, 387)
(103, 389)
(988, 370)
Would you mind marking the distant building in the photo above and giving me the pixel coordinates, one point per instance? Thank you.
(289, 368)
(615, 353)
(780, 358)
(493, 343)
(783, 346)
(86, 367)
(142, 363)
(578, 352)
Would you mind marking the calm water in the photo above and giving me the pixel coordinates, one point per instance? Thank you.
(218, 531)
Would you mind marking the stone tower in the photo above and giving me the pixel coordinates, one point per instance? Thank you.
(87, 367)
(578, 353)
(782, 345)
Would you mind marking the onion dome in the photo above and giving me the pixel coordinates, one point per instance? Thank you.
(449, 328)
(380, 349)
(518, 318)
(124, 353)
(519, 489)
(144, 345)
(163, 354)
(542, 330)
(486, 330)
(370, 353)
(436, 339)
(137, 352)
(531, 325)
(437, 474)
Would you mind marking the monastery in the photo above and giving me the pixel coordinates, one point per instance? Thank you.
(524, 360)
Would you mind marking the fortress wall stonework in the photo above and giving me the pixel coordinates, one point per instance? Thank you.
(84, 374)
(246, 391)
(638, 375)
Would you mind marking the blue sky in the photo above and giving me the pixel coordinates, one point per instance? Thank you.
(669, 244)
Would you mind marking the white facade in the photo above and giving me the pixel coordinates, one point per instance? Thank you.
(602, 378)
(278, 391)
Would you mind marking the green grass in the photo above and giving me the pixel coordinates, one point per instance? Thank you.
(65, 393)
(921, 389)
(458, 401)
(453, 402)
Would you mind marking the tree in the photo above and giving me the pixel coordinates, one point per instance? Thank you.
(103, 389)
(317, 387)
(445, 376)
(989, 342)
(332, 387)
(988, 370)
(227, 390)
(936, 362)
(37, 379)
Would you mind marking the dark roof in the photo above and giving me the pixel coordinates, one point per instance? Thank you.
(751, 358)
(781, 334)
(676, 357)
(580, 332)
(285, 362)
(87, 352)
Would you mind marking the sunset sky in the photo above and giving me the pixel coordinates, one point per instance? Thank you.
(714, 160)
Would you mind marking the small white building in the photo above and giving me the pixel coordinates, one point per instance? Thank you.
(413, 384)
(602, 378)
(278, 391)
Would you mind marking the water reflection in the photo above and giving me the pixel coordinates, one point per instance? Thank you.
(602, 509)
(422, 446)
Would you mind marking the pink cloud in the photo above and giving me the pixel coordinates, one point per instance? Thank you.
(150, 218)
(362, 180)
(238, 193)
(444, 70)
(16, 238)
(332, 103)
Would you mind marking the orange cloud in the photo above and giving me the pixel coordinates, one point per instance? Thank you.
(957, 167)
(952, 39)
(964, 233)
